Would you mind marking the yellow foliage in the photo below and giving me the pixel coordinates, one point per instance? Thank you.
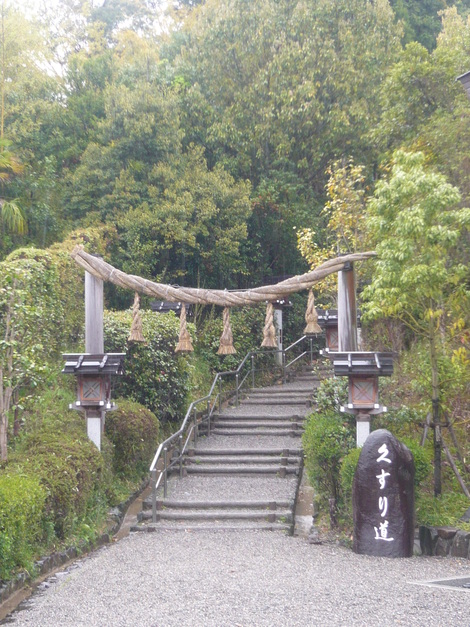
(345, 210)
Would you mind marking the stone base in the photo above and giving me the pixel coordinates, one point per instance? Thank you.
(444, 541)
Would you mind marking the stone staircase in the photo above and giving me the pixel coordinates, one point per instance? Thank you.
(246, 473)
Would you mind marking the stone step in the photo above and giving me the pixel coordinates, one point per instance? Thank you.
(215, 526)
(248, 459)
(284, 391)
(252, 424)
(200, 505)
(235, 415)
(269, 400)
(220, 515)
(221, 419)
(271, 432)
(275, 452)
(200, 469)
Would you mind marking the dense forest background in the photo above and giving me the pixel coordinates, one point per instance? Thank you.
(203, 134)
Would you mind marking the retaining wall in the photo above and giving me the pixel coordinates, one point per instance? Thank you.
(444, 541)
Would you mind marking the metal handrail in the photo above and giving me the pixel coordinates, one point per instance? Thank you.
(190, 425)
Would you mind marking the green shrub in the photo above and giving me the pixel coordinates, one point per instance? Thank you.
(70, 468)
(133, 430)
(331, 394)
(445, 510)
(22, 522)
(422, 462)
(401, 421)
(154, 375)
(347, 471)
(327, 439)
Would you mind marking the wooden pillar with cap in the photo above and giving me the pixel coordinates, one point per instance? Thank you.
(347, 312)
(94, 343)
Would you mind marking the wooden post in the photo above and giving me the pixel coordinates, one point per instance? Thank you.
(362, 428)
(347, 335)
(94, 343)
(278, 325)
(347, 313)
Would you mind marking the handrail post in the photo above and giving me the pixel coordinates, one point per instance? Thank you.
(284, 373)
(208, 417)
(181, 455)
(154, 495)
(252, 371)
(237, 378)
(165, 470)
(220, 394)
(195, 426)
(311, 349)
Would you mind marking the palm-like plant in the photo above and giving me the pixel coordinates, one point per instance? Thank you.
(11, 215)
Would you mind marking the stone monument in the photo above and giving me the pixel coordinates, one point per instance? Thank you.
(383, 498)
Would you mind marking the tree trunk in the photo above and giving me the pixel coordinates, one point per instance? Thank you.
(436, 415)
(5, 397)
(3, 437)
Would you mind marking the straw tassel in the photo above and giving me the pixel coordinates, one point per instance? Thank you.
(226, 339)
(311, 316)
(269, 332)
(184, 343)
(135, 334)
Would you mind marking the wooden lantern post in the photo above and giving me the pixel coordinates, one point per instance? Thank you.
(279, 306)
(328, 320)
(347, 312)
(94, 343)
(363, 370)
(94, 372)
(94, 368)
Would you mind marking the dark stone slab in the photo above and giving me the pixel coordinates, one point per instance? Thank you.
(443, 547)
(428, 540)
(446, 533)
(461, 544)
(383, 498)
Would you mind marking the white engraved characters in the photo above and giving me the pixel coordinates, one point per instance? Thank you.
(381, 532)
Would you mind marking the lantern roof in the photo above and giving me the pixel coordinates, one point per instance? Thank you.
(361, 363)
(164, 306)
(94, 363)
(327, 317)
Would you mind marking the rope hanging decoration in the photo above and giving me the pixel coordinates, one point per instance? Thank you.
(226, 346)
(136, 334)
(196, 296)
(184, 343)
(269, 332)
(311, 316)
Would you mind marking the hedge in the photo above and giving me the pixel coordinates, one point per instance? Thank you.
(133, 430)
(22, 523)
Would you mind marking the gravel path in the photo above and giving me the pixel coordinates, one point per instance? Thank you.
(249, 579)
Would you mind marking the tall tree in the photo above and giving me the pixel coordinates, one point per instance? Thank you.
(286, 88)
(415, 223)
